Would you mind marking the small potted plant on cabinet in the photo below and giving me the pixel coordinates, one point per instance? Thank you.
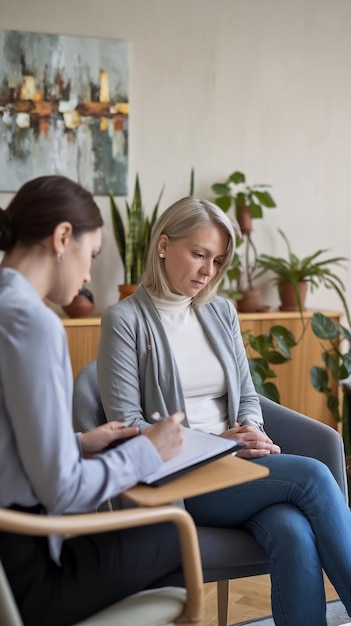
(133, 240)
(293, 275)
(248, 202)
(81, 305)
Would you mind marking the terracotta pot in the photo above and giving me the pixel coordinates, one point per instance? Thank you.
(250, 302)
(245, 220)
(126, 290)
(81, 305)
(288, 297)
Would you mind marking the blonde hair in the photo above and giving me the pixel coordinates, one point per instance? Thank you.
(178, 221)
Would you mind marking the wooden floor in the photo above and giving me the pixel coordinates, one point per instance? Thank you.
(249, 599)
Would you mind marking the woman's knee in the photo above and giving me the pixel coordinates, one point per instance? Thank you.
(294, 467)
(284, 527)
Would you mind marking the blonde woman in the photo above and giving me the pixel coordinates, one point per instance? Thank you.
(176, 345)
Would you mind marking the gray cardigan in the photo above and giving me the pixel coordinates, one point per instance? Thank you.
(137, 371)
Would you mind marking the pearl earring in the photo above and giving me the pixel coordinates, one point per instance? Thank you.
(161, 255)
(59, 257)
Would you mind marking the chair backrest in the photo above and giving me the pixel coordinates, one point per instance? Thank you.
(294, 432)
(88, 412)
(298, 434)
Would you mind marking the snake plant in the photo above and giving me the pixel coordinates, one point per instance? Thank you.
(133, 240)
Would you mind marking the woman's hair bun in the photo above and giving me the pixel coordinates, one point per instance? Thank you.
(7, 235)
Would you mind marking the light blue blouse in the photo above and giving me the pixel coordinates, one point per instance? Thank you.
(40, 456)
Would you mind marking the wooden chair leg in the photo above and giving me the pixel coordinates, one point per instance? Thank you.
(222, 602)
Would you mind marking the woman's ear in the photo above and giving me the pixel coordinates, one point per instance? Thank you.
(62, 236)
(162, 244)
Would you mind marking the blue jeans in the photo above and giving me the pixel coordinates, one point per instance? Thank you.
(299, 516)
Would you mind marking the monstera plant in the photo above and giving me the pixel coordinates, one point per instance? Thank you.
(335, 374)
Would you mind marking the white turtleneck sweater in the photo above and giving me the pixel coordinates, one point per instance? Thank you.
(202, 376)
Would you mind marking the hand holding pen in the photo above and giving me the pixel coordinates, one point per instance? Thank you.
(166, 434)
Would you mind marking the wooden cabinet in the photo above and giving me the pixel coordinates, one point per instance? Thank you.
(83, 338)
(292, 379)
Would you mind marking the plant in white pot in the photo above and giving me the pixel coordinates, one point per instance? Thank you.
(248, 202)
(133, 239)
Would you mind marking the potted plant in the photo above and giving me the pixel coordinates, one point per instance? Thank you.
(81, 305)
(292, 275)
(273, 348)
(334, 378)
(133, 240)
(248, 202)
(336, 370)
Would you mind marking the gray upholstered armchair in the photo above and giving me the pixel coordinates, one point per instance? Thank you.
(233, 553)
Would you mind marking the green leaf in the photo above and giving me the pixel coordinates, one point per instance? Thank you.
(333, 406)
(347, 362)
(224, 203)
(258, 368)
(192, 182)
(319, 379)
(323, 327)
(256, 211)
(234, 295)
(283, 334)
(237, 178)
(133, 241)
(221, 189)
(276, 357)
(240, 201)
(269, 390)
(264, 198)
(118, 228)
(331, 361)
(343, 372)
(261, 343)
(233, 273)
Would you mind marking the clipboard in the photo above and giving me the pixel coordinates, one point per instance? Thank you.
(198, 448)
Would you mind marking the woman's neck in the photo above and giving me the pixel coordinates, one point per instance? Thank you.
(171, 301)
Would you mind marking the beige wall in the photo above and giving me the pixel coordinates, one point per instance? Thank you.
(262, 86)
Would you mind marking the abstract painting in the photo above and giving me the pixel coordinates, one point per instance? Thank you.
(64, 109)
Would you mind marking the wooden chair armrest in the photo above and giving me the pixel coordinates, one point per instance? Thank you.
(83, 524)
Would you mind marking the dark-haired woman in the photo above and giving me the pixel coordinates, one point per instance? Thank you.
(50, 233)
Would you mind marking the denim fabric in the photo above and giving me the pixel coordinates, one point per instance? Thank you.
(299, 516)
